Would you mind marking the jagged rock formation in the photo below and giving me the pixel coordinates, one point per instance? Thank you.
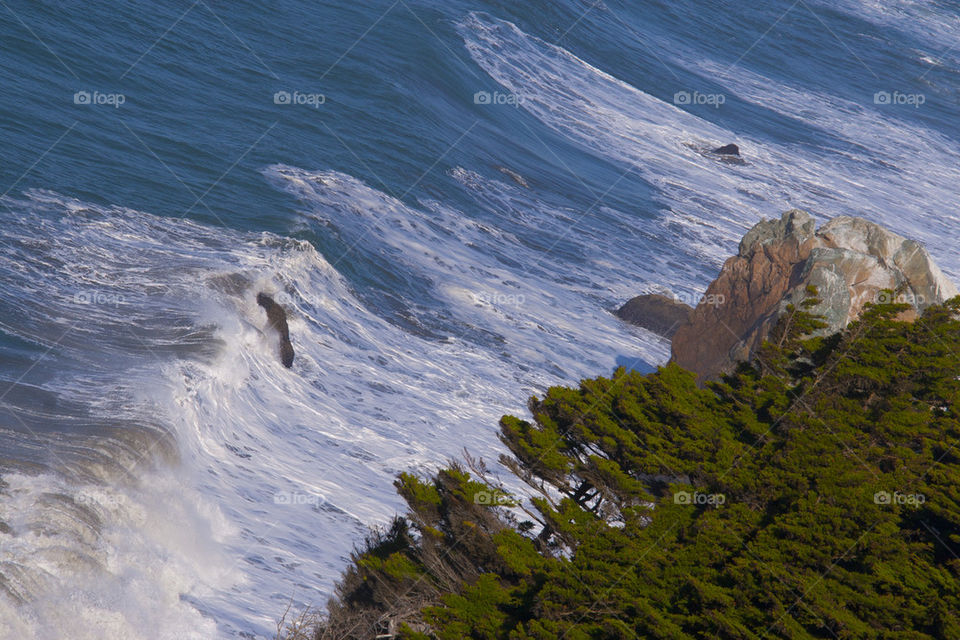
(657, 313)
(849, 260)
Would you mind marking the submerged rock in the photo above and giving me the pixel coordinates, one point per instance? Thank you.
(657, 313)
(728, 150)
(513, 175)
(849, 260)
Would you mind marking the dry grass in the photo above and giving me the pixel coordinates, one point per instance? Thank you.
(302, 626)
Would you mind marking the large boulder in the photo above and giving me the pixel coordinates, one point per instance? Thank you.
(849, 260)
(655, 312)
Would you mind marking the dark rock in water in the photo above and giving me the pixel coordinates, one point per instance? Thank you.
(277, 318)
(656, 313)
(513, 175)
(728, 150)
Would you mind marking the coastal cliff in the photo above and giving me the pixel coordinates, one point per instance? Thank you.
(850, 261)
(676, 492)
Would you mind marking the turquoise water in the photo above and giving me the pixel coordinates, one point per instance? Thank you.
(449, 198)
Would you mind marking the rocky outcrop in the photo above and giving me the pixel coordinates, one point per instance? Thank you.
(657, 313)
(850, 261)
(728, 150)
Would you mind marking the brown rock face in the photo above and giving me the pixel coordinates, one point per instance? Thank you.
(849, 260)
(657, 313)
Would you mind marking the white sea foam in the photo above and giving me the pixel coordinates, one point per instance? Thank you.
(883, 167)
(94, 561)
(935, 24)
(276, 473)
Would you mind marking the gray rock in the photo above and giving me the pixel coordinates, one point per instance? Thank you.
(795, 225)
(850, 261)
(656, 313)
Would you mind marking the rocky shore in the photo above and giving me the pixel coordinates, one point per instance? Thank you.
(851, 262)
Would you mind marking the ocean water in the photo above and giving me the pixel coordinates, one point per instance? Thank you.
(448, 197)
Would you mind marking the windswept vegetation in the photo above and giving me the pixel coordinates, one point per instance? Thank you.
(814, 493)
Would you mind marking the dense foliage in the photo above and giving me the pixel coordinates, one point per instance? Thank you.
(814, 493)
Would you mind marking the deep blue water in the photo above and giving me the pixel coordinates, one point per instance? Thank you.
(199, 97)
(432, 291)
(199, 122)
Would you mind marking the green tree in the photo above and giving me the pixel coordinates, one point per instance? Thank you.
(812, 493)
